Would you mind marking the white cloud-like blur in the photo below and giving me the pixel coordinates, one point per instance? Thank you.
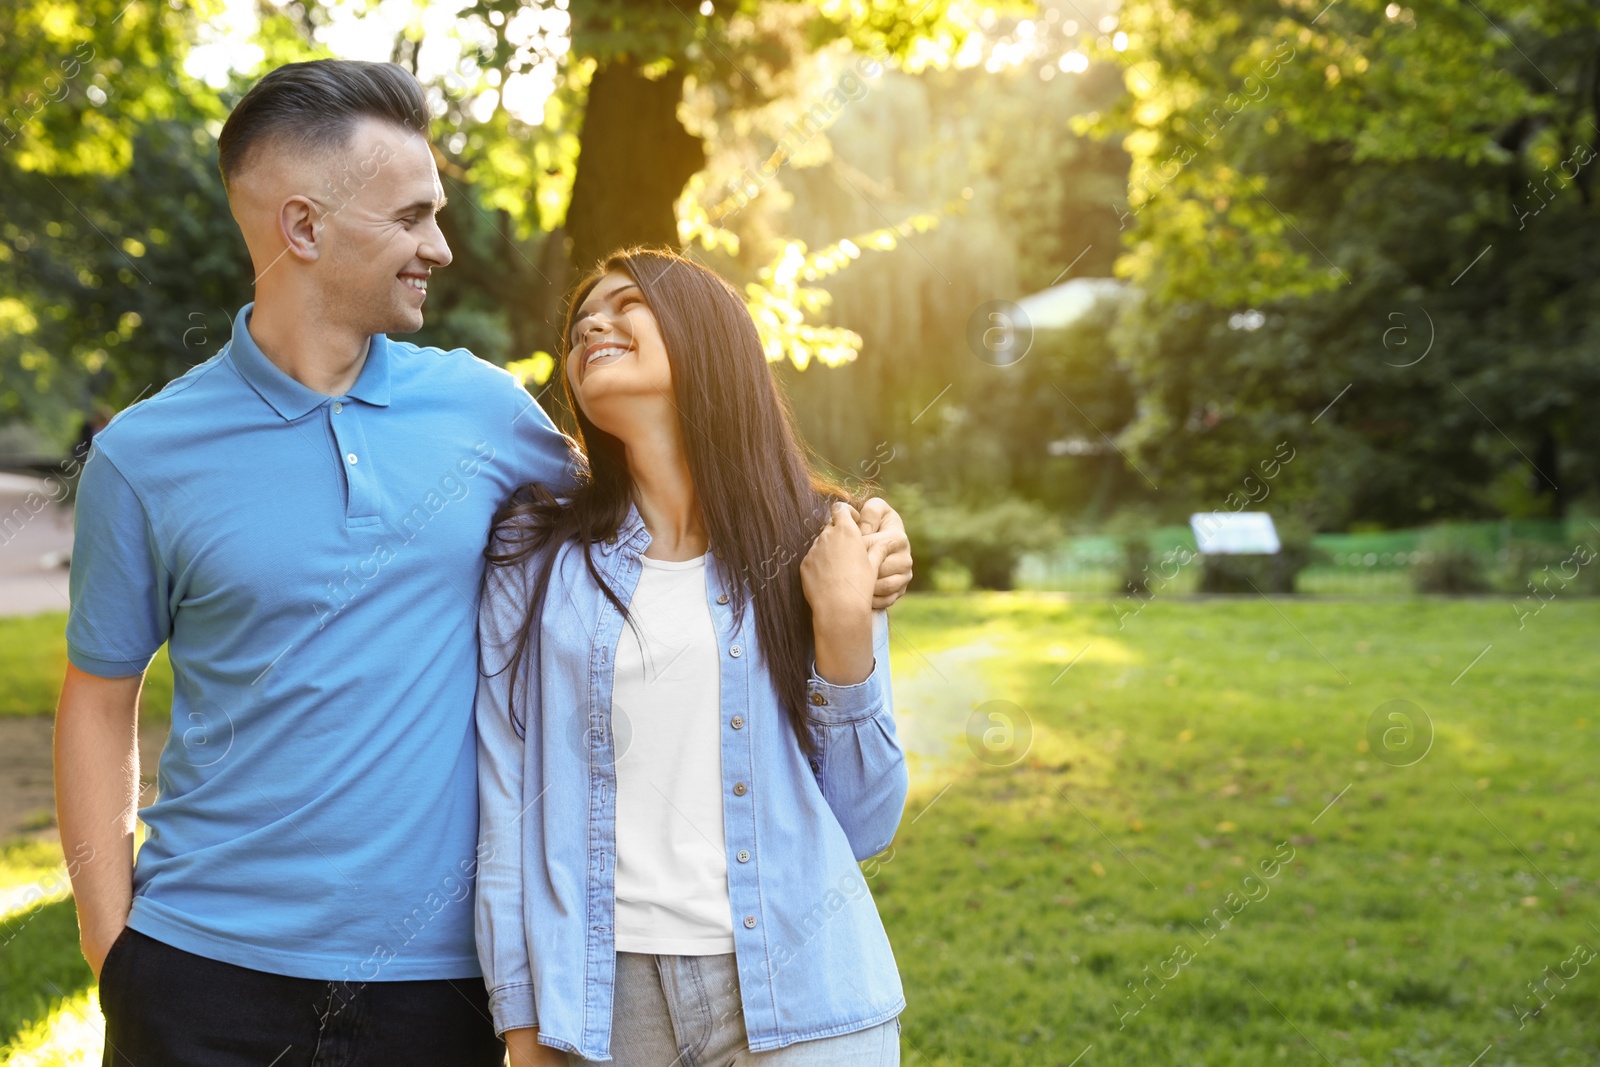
(225, 47)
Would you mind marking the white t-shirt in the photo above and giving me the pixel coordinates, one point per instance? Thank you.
(672, 864)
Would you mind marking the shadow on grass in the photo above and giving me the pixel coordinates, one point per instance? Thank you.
(39, 965)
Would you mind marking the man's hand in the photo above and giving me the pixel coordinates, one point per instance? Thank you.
(523, 1050)
(96, 947)
(886, 539)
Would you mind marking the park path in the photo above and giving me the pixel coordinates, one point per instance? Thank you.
(934, 695)
(35, 537)
(27, 794)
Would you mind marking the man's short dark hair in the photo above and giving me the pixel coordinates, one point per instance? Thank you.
(315, 105)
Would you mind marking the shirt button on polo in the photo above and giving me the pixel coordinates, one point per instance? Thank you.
(749, 922)
(735, 651)
(744, 855)
(337, 407)
(723, 599)
(350, 457)
(818, 699)
(740, 789)
(738, 722)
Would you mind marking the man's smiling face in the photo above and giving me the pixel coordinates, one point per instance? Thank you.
(381, 198)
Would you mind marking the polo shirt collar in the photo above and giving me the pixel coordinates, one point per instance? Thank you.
(288, 397)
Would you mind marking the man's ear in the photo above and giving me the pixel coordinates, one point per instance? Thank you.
(300, 222)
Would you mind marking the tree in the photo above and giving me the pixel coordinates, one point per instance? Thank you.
(1368, 179)
(115, 273)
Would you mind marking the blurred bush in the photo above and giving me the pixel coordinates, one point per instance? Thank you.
(1452, 563)
(986, 541)
(1547, 568)
(1131, 526)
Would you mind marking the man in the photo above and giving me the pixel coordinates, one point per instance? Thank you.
(301, 520)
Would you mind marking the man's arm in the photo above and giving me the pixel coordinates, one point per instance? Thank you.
(886, 532)
(97, 795)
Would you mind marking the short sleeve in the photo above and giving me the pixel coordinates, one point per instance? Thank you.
(536, 450)
(119, 586)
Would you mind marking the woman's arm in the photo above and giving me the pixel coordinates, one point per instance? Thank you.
(855, 753)
(523, 1050)
(498, 918)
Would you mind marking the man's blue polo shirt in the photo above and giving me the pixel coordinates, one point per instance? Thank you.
(313, 564)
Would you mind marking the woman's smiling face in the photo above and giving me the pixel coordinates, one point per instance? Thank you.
(615, 354)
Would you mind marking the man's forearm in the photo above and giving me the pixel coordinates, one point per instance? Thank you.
(97, 784)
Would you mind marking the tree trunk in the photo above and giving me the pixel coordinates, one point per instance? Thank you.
(1547, 468)
(633, 160)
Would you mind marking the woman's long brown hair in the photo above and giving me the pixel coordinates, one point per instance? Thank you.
(760, 497)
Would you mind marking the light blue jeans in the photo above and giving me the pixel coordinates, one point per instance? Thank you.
(684, 1011)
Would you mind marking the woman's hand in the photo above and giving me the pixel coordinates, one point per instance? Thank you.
(837, 577)
(523, 1050)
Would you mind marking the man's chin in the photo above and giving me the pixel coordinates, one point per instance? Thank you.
(406, 320)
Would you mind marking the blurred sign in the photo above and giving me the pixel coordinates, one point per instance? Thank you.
(1223, 533)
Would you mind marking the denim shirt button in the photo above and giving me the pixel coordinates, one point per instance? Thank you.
(611, 540)
(749, 922)
(738, 722)
(740, 789)
(744, 855)
(817, 699)
(816, 768)
(735, 651)
(723, 599)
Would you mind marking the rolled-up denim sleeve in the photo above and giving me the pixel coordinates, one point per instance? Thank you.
(120, 588)
(856, 754)
(499, 919)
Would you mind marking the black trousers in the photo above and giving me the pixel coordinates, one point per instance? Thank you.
(168, 1008)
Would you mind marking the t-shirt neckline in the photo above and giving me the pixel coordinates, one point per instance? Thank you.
(674, 564)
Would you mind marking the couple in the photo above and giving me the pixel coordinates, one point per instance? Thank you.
(599, 789)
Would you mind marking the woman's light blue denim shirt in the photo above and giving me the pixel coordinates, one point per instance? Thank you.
(813, 957)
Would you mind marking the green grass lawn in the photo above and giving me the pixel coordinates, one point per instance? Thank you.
(1143, 863)
(33, 657)
(1061, 902)
(40, 968)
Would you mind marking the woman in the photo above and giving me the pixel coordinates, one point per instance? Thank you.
(686, 740)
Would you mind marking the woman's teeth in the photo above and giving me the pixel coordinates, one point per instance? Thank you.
(606, 355)
(419, 284)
